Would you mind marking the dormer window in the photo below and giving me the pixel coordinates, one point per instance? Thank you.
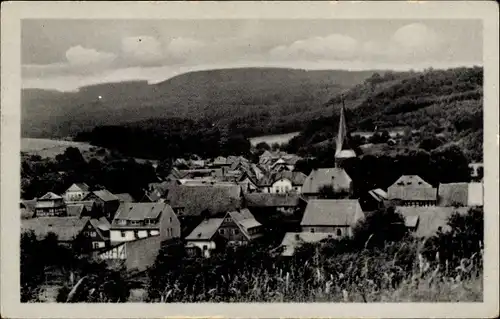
(150, 221)
(135, 222)
(122, 222)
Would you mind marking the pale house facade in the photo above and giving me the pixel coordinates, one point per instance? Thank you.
(141, 220)
(76, 192)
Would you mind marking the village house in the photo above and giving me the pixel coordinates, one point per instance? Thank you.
(248, 182)
(239, 227)
(76, 192)
(50, 204)
(286, 162)
(219, 161)
(373, 199)
(426, 221)
(97, 232)
(235, 228)
(106, 202)
(266, 157)
(334, 177)
(136, 256)
(65, 228)
(283, 182)
(257, 171)
(140, 220)
(77, 210)
(89, 208)
(460, 194)
(336, 216)
(282, 203)
(214, 198)
(412, 190)
(204, 237)
(157, 191)
(293, 240)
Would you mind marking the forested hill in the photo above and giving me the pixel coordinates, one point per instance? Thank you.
(442, 104)
(255, 100)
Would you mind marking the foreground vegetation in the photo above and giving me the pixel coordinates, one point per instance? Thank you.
(377, 264)
(380, 263)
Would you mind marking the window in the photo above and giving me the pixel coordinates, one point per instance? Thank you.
(122, 222)
(339, 232)
(123, 233)
(228, 219)
(93, 234)
(221, 231)
(205, 247)
(236, 231)
(170, 219)
(312, 230)
(95, 244)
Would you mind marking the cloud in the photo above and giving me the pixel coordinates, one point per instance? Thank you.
(141, 49)
(334, 46)
(80, 56)
(412, 41)
(415, 36)
(184, 47)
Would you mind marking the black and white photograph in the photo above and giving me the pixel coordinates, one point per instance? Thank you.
(171, 160)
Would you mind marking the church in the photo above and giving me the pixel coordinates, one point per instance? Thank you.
(336, 176)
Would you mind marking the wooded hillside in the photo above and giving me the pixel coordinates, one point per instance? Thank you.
(257, 100)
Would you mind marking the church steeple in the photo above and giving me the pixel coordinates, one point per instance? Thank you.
(342, 149)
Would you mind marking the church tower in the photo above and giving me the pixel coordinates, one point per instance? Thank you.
(342, 150)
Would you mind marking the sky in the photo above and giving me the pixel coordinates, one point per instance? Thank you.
(67, 54)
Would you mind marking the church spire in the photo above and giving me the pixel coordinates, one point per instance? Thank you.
(342, 132)
(342, 150)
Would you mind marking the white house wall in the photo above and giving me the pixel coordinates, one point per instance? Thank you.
(209, 244)
(282, 186)
(115, 236)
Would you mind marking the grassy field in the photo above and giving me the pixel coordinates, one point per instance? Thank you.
(50, 148)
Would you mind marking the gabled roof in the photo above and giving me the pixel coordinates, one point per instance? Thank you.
(332, 212)
(141, 253)
(411, 180)
(378, 194)
(78, 187)
(292, 240)
(75, 209)
(125, 197)
(453, 194)
(429, 218)
(272, 200)
(326, 176)
(296, 178)
(101, 223)
(50, 196)
(66, 228)
(105, 195)
(140, 211)
(411, 193)
(220, 160)
(206, 229)
(266, 154)
(244, 220)
(101, 226)
(475, 194)
(215, 198)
